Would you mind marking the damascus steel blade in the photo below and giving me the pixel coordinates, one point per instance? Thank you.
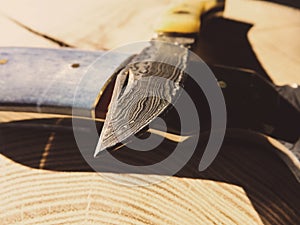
(144, 89)
(45, 80)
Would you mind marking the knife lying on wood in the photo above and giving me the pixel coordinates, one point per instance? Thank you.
(44, 81)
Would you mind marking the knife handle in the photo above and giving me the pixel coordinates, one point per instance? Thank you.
(47, 80)
(184, 16)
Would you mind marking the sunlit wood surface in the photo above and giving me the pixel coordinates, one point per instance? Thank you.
(274, 36)
(246, 184)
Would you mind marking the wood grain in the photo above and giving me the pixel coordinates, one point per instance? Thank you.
(246, 184)
(99, 25)
(13, 32)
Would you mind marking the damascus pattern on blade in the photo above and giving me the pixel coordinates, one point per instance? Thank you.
(144, 89)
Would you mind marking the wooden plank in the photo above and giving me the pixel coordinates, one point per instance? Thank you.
(243, 186)
(107, 24)
(89, 25)
(44, 197)
(14, 35)
(274, 36)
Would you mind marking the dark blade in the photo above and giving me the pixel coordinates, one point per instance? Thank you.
(144, 89)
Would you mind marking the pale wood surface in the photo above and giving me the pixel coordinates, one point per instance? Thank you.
(238, 189)
(274, 36)
(90, 25)
(13, 35)
(108, 24)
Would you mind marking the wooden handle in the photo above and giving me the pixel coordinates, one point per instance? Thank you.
(184, 16)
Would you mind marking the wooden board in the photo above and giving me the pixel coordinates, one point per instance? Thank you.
(273, 37)
(90, 25)
(107, 24)
(11, 33)
(44, 179)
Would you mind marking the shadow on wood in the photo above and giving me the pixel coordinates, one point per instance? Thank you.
(224, 42)
(291, 3)
(268, 183)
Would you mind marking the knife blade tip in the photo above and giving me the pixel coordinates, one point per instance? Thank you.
(99, 149)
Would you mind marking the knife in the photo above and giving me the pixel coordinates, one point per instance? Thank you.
(253, 103)
(178, 26)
